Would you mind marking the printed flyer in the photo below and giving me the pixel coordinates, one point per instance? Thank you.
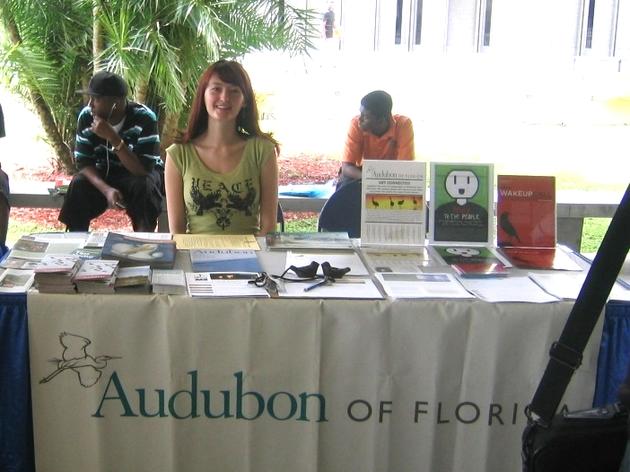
(526, 211)
(393, 203)
(461, 203)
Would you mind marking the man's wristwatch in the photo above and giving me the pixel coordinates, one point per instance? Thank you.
(120, 145)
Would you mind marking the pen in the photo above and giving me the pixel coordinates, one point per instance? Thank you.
(324, 281)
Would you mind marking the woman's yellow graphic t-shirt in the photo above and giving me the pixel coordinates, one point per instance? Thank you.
(222, 203)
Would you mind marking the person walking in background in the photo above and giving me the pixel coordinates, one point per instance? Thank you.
(375, 134)
(329, 22)
(5, 206)
(117, 153)
(222, 174)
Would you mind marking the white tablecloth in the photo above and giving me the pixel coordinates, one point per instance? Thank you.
(288, 385)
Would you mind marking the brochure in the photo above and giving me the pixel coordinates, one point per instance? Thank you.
(216, 241)
(96, 269)
(223, 284)
(131, 251)
(393, 203)
(27, 247)
(308, 240)
(567, 285)
(461, 209)
(96, 239)
(399, 285)
(526, 211)
(473, 261)
(51, 263)
(224, 260)
(507, 289)
(18, 263)
(16, 281)
(398, 262)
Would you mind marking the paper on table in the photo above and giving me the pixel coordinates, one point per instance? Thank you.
(225, 284)
(343, 288)
(338, 259)
(398, 262)
(399, 285)
(214, 241)
(507, 289)
(568, 285)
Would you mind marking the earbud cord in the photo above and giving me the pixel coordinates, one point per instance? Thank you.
(111, 112)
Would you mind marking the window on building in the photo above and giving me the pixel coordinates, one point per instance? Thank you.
(399, 7)
(418, 35)
(487, 23)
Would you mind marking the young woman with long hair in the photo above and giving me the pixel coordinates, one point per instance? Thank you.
(221, 177)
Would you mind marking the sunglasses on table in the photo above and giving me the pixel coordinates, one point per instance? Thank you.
(304, 274)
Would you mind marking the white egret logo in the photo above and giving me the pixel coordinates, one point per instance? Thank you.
(75, 358)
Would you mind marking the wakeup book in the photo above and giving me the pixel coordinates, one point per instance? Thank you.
(133, 251)
(526, 211)
(526, 223)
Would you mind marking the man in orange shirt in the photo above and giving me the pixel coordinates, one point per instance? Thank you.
(375, 134)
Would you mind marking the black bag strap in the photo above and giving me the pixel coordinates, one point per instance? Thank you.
(566, 354)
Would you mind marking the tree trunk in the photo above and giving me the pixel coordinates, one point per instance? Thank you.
(169, 131)
(142, 90)
(98, 44)
(64, 159)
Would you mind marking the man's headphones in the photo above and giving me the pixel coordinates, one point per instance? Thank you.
(111, 111)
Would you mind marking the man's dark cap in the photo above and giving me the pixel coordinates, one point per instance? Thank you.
(106, 84)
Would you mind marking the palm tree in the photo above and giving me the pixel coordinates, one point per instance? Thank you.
(160, 47)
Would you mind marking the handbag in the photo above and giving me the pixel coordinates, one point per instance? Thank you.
(592, 440)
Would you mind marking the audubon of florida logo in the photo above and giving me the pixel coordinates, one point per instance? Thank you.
(75, 358)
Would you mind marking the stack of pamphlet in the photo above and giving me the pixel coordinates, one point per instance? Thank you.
(16, 280)
(55, 273)
(133, 280)
(169, 281)
(96, 276)
(132, 251)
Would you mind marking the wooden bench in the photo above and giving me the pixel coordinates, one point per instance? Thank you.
(570, 216)
(36, 195)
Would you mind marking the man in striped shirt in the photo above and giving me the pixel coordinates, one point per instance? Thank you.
(117, 154)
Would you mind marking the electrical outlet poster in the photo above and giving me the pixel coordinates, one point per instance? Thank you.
(461, 206)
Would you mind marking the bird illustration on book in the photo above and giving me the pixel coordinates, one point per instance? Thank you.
(507, 226)
(374, 202)
(75, 358)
